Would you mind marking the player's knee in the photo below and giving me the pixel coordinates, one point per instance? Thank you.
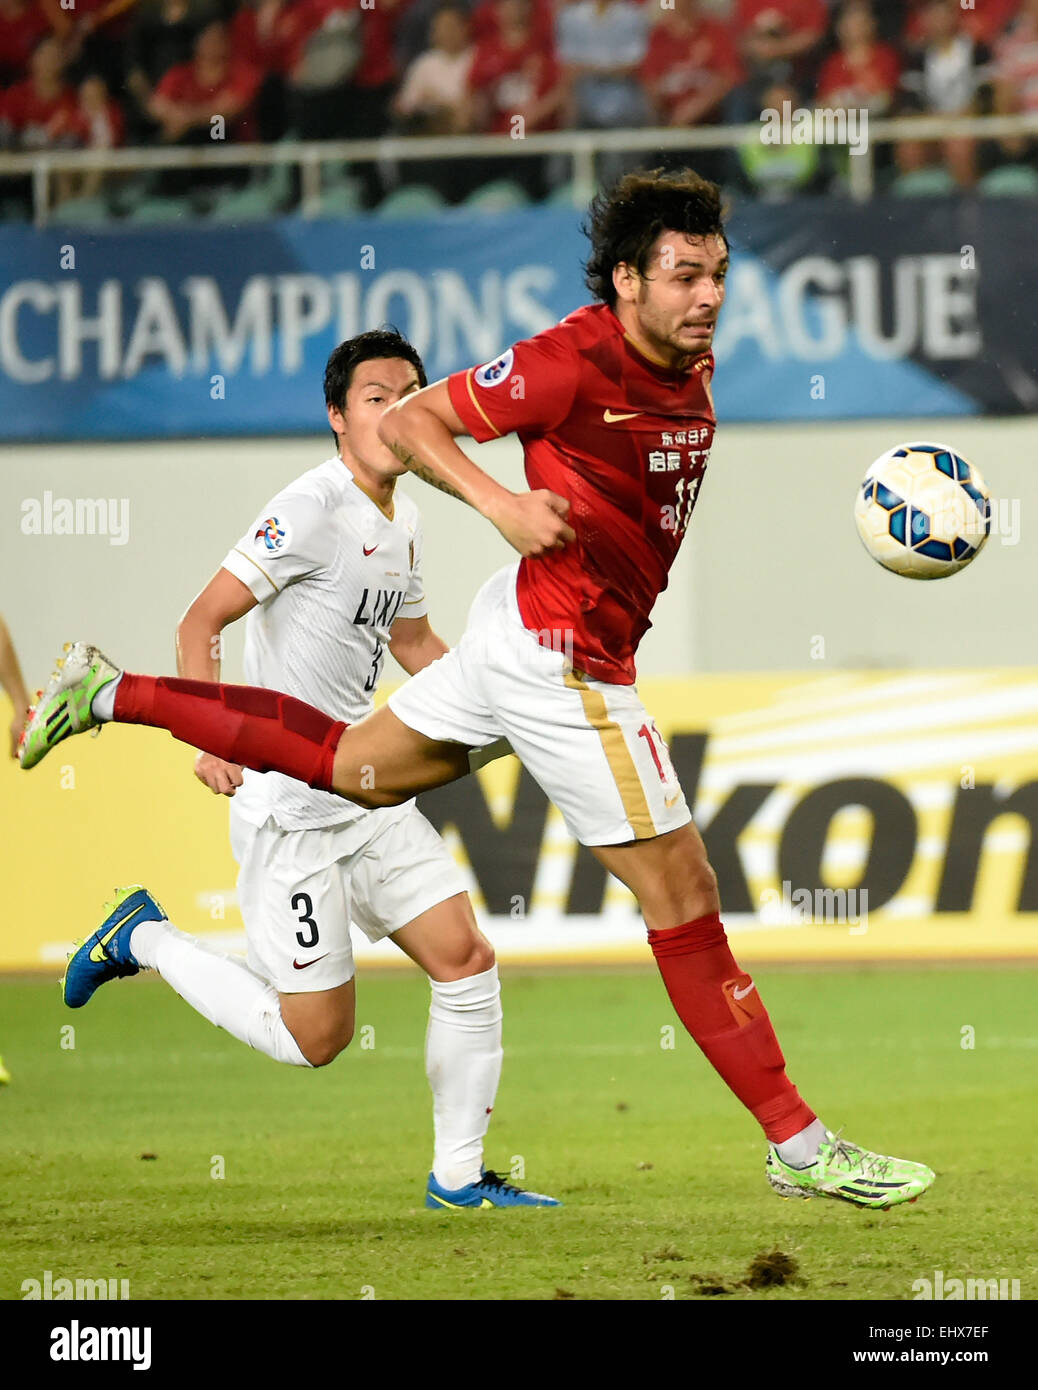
(373, 798)
(704, 879)
(319, 1054)
(686, 889)
(471, 957)
(699, 896)
(480, 958)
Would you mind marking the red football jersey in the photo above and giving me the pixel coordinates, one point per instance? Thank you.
(626, 440)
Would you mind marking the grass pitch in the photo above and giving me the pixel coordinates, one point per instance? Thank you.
(111, 1150)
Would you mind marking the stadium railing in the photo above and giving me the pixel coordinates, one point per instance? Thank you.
(582, 147)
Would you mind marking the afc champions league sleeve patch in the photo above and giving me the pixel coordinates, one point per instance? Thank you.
(271, 536)
(493, 373)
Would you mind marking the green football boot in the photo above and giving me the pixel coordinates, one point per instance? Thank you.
(63, 709)
(853, 1174)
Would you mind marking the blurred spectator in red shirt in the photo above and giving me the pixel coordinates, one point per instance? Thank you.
(95, 34)
(691, 65)
(486, 22)
(270, 35)
(215, 83)
(863, 72)
(515, 87)
(162, 37)
(40, 113)
(514, 75)
(22, 25)
(776, 32)
(433, 99)
(779, 42)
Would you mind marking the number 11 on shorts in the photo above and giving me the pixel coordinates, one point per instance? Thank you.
(650, 734)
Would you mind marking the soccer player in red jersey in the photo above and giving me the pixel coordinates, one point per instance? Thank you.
(614, 412)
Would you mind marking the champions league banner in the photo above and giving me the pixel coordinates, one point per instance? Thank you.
(834, 311)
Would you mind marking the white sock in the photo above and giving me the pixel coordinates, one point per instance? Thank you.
(802, 1149)
(102, 706)
(463, 1063)
(220, 988)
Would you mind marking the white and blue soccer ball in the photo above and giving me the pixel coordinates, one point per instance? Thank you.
(923, 511)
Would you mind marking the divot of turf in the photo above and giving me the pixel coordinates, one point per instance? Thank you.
(767, 1270)
(770, 1269)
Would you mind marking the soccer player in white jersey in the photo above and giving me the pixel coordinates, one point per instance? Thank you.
(329, 576)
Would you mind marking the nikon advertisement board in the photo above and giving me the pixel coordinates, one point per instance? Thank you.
(850, 817)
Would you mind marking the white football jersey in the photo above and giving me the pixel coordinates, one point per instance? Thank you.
(330, 572)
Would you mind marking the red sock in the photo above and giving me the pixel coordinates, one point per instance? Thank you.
(239, 723)
(719, 1005)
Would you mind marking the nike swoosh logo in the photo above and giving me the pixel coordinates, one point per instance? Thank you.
(97, 952)
(670, 801)
(457, 1206)
(742, 993)
(611, 419)
(307, 963)
(367, 551)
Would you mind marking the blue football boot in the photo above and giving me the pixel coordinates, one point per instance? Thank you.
(106, 955)
(489, 1191)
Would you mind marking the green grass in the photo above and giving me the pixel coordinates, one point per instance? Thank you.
(660, 1169)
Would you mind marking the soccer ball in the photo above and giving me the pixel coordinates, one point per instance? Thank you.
(923, 511)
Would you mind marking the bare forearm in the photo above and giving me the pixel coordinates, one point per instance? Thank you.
(10, 672)
(199, 645)
(418, 655)
(421, 470)
(425, 446)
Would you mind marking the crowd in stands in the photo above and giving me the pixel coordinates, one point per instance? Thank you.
(105, 73)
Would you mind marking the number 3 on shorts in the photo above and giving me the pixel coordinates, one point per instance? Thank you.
(302, 903)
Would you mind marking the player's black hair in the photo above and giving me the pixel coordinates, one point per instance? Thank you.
(347, 357)
(625, 220)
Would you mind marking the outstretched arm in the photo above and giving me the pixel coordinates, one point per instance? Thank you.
(224, 600)
(12, 682)
(421, 430)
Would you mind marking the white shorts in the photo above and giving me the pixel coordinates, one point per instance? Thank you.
(590, 745)
(299, 889)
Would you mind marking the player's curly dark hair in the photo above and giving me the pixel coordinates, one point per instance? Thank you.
(625, 220)
(347, 357)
